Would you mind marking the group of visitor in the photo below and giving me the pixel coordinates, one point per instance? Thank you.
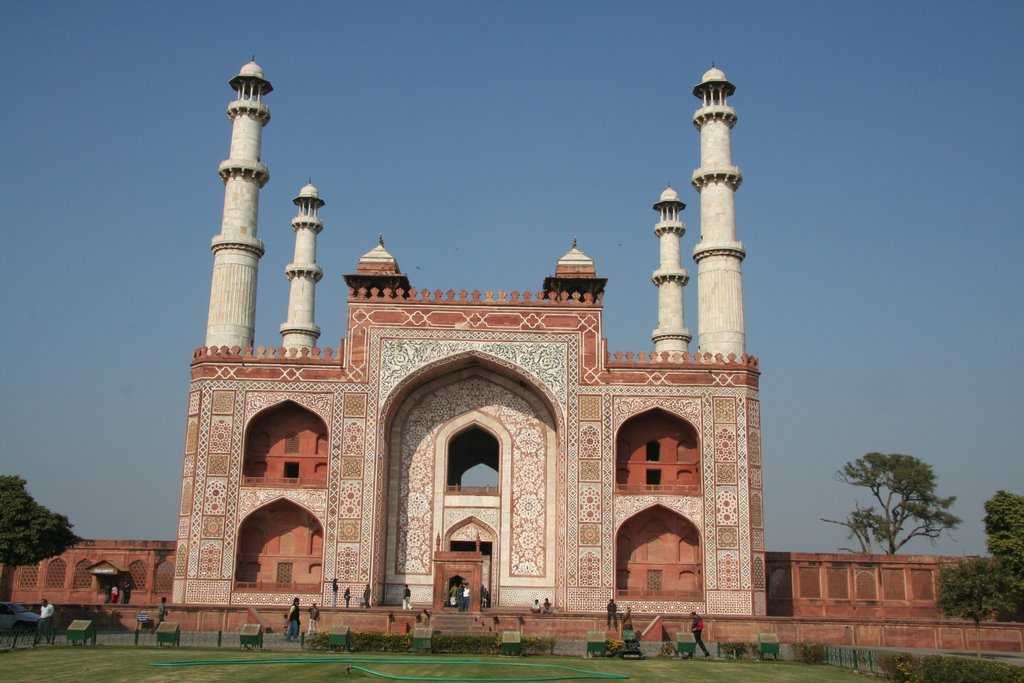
(538, 608)
(119, 594)
(696, 623)
(347, 595)
(293, 623)
(459, 596)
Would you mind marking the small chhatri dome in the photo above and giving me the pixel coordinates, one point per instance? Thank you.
(575, 262)
(713, 74)
(251, 68)
(309, 190)
(669, 195)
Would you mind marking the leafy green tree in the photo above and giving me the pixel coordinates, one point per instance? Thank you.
(1004, 527)
(28, 531)
(907, 507)
(975, 588)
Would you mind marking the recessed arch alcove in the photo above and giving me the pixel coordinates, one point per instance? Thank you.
(473, 462)
(658, 556)
(657, 451)
(286, 445)
(280, 547)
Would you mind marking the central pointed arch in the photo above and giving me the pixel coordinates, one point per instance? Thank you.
(404, 408)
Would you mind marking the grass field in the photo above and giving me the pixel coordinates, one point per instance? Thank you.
(104, 664)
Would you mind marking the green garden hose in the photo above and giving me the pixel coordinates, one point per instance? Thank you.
(558, 671)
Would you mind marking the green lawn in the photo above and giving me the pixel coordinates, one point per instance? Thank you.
(133, 665)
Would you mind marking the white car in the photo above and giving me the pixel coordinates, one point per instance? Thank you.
(14, 615)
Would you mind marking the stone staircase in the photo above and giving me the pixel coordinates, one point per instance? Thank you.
(459, 624)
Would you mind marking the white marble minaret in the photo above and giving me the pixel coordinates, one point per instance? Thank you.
(670, 278)
(718, 254)
(237, 250)
(300, 330)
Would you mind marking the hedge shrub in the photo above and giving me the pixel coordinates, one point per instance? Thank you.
(809, 653)
(904, 668)
(533, 645)
(380, 642)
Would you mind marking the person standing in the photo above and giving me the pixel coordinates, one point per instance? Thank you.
(314, 619)
(162, 612)
(613, 611)
(293, 620)
(366, 597)
(406, 598)
(347, 596)
(126, 593)
(46, 621)
(465, 597)
(114, 593)
(334, 592)
(697, 628)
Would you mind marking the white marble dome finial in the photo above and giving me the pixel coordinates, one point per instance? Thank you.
(251, 68)
(309, 190)
(669, 195)
(713, 74)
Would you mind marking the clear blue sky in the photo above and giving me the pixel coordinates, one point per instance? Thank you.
(881, 211)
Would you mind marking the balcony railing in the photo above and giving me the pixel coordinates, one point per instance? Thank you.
(684, 596)
(274, 587)
(664, 489)
(456, 490)
(298, 482)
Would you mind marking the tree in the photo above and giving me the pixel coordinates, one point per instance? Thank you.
(28, 531)
(975, 588)
(904, 488)
(1004, 527)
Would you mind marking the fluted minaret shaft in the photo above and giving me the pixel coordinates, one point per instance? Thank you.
(670, 278)
(718, 254)
(236, 249)
(300, 329)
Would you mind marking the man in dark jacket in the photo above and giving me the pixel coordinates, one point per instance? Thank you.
(613, 610)
(697, 628)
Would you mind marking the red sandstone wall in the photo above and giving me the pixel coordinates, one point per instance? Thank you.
(853, 586)
(861, 633)
(60, 586)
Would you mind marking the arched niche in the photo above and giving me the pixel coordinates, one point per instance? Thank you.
(280, 547)
(473, 460)
(286, 445)
(658, 556)
(657, 451)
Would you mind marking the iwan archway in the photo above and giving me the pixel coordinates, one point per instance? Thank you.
(472, 443)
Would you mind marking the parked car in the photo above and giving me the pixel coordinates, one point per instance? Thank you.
(14, 615)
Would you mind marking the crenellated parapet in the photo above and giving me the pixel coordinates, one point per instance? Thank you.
(677, 359)
(249, 354)
(475, 297)
(246, 169)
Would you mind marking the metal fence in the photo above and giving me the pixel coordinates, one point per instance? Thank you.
(863, 661)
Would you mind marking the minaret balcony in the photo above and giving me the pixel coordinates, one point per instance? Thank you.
(715, 112)
(730, 175)
(307, 270)
(244, 168)
(663, 275)
(250, 107)
(706, 248)
(240, 243)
